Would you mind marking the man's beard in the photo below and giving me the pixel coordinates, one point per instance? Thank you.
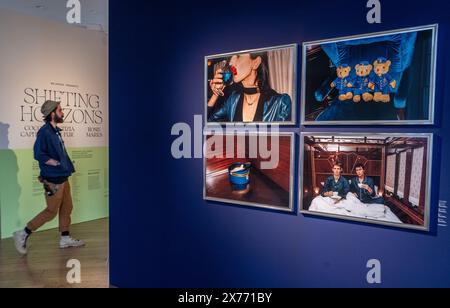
(58, 119)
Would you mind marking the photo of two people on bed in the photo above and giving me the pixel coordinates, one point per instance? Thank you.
(361, 186)
(381, 178)
(355, 197)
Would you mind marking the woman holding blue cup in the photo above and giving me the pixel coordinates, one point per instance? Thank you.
(252, 98)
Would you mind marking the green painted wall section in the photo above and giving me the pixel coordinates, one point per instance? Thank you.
(22, 196)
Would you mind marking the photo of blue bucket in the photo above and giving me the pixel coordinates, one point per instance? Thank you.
(239, 175)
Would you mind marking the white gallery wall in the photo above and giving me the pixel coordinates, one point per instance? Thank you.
(39, 60)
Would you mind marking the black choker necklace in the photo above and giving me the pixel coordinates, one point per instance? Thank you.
(251, 91)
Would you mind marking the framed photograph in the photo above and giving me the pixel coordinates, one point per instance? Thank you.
(254, 169)
(383, 78)
(253, 86)
(374, 178)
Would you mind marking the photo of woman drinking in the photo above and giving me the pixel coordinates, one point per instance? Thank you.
(241, 87)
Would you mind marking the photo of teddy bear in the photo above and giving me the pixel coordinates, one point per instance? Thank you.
(372, 79)
(369, 85)
(343, 82)
(382, 83)
(361, 83)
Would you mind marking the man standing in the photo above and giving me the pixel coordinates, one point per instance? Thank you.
(56, 168)
(363, 187)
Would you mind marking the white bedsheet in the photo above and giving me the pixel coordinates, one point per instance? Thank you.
(351, 206)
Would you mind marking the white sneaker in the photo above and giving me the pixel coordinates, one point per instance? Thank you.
(20, 241)
(68, 241)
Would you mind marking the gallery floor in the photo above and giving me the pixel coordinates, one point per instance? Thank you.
(45, 264)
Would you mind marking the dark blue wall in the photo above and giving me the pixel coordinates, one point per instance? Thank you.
(164, 235)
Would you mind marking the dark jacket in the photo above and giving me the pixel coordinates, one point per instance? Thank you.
(382, 83)
(341, 84)
(363, 194)
(277, 108)
(48, 146)
(342, 186)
